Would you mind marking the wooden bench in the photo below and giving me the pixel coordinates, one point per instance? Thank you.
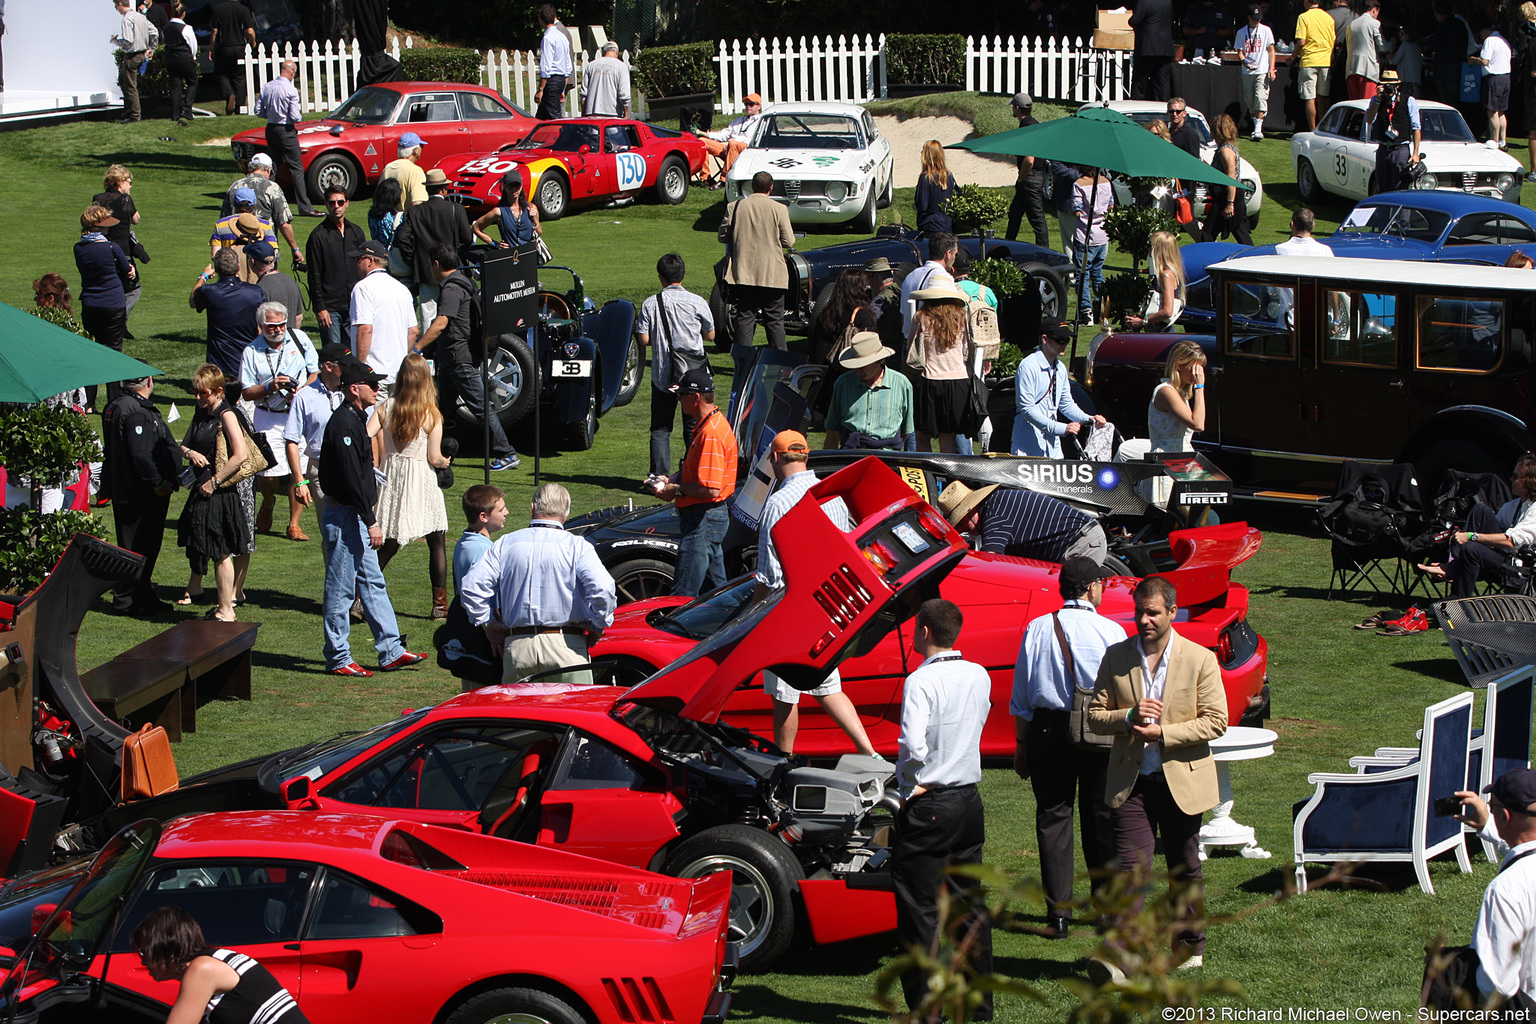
(162, 680)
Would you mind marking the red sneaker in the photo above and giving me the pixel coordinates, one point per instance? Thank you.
(405, 660)
(1415, 621)
(354, 669)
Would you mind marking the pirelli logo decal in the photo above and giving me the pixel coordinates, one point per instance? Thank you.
(916, 479)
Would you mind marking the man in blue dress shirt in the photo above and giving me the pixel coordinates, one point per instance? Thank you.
(1043, 398)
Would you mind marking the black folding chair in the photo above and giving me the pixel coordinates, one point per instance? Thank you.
(1373, 513)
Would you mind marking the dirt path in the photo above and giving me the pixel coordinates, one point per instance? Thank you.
(907, 136)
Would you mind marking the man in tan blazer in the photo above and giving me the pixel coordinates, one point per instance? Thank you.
(757, 231)
(1161, 697)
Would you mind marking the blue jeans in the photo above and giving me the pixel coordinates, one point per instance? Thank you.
(352, 569)
(466, 379)
(337, 333)
(699, 551)
(1093, 276)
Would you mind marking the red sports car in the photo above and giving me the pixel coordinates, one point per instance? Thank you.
(649, 777)
(366, 919)
(353, 144)
(579, 161)
(999, 595)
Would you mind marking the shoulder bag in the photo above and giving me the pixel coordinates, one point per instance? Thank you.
(258, 454)
(682, 361)
(1082, 734)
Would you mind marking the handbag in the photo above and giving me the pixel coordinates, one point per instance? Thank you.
(1183, 211)
(258, 454)
(1471, 83)
(542, 249)
(149, 767)
(1078, 730)
(916, 358)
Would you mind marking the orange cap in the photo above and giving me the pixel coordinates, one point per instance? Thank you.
(752, 97)
(789, 441)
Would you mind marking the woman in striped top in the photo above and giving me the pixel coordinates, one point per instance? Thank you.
(219, 986)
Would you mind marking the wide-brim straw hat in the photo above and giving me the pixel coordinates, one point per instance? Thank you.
(865, 348)
(957, 500)
(940, 293)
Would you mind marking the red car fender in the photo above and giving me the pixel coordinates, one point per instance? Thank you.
(837, 912)
(1207, 556)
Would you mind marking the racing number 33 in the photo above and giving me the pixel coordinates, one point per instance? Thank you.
(1340, 165)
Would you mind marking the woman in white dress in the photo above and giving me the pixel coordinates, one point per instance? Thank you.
(1166, 303)
(408, 435)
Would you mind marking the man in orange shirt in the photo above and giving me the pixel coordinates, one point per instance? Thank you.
(700, 489)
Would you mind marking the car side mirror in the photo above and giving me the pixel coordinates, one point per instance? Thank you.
(296, 789)
(336, 130)
(584, 150)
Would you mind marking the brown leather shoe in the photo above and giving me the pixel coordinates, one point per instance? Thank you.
(297, 533)
(439, 603)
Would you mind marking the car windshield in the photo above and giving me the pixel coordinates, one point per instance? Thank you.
(562, 138)
(1397, 221)
(1444, 126)
(319, 759)
(1146, 117)
(809, 131)
(703, 617)
(368, 106)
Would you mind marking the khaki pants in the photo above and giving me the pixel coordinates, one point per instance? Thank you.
(524, 656)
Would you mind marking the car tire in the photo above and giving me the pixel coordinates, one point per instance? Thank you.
(767, 876)
(1307, 185)
(553, 197)
(634, 374)
(672, 182)
(584, 431)
(864, 223)
(1119, 566)
(333, 170)
(511, 371)
(725, 319)
(888, 195)
(1053, 290)
(1465, 456)
(642, 578)
(522, 1005)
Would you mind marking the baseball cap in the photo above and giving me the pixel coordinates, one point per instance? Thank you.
(260, 160)
(697, 381)
(260, 251)
(373, 247)
(1255, 11)
(408, 140)
(1056, 331)
(752, 97)
(245, 195)
(1079, 571)
(789, 441)
(1515, 789)
(354, 371)
(1021, 101)
(332, 351)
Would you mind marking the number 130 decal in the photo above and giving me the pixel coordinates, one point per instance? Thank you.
(631, 170)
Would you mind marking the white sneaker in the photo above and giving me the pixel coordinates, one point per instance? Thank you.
(1198, 960)
(1257, 136)
(1491, 144)
(1102, 972)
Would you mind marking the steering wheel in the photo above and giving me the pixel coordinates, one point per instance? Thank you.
(552, 306)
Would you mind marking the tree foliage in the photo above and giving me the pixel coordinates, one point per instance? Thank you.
(441, 64)
(676, 70)
(46, 445)
(973, 208)
(938, 58)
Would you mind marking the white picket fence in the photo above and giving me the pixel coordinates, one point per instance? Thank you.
(328, 73)
(845, 70)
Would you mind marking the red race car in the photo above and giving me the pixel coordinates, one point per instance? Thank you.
(354, 143)
(649, 777)
(999, 595)
(365, 919)
(579, 161)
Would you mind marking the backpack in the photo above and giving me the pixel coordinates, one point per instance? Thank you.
(985, 333)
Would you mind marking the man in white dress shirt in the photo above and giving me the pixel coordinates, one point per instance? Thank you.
(1504, 938)
(556, 65)
(542, 594)
(1046, 753)
(135, 40)
(941, 824)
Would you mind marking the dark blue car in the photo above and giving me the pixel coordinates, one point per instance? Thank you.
(1410, 225)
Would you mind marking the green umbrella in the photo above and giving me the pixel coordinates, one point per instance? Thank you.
(1100, 137)
(38, 360)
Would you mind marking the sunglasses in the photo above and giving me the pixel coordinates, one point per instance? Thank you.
(205, 394)
(336, 202)
(280, 325)
(1174, 111)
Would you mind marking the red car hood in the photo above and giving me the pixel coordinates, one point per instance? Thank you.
(843, 592)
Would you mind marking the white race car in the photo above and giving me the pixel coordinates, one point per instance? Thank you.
(1337, 158)
(1144, 112)
(828, 162)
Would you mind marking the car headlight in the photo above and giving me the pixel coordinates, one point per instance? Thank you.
(1505, 182)
(1427, 180)
(837, 191)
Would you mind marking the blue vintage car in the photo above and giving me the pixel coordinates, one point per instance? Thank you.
(1411, 225)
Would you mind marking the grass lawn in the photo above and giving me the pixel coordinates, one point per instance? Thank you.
(1336, 691)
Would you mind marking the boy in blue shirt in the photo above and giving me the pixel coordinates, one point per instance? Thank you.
(485, 510)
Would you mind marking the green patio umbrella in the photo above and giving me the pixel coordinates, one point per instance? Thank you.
(39, 360)
(1103, 139)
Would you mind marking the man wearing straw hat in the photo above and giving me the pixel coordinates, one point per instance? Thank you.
(1024, 523)
(871, 407)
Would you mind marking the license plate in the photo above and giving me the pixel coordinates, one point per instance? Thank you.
(909, 537)
(571, 368)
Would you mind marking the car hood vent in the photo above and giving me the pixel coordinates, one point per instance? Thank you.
(648, 904)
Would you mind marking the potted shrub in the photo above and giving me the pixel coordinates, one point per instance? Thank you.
(920, 64)
(47, 445)
(973, 208)
(1132, 227)
(674, 77)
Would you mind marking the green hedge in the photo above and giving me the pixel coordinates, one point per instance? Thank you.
(676, 70)
(442, 64)
(925, 58)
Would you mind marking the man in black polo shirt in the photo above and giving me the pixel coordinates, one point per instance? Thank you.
(458, 368)
(332, 272)
(141, 466)
(352, 536)
(231, 307)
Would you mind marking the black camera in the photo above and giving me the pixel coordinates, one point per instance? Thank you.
(1447, 806)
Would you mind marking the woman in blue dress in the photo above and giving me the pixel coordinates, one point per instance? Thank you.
(516, 216)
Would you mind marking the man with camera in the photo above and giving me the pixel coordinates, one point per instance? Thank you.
(272, 368)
